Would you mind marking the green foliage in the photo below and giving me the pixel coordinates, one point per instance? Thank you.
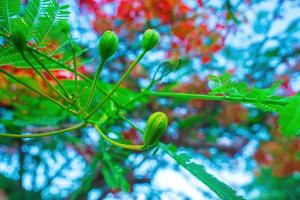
(10, 56)
(31, 15)
(106, 163)
(226, 86)
(12, 188)
(42, 22)
(50, 21)
(121, 97)
(222, 84)
(19, 40)
(221, 189)
(164, 69)
(114, 174)
(271, 187)
(9, 14)
(87, 180)
(289, 117)
(31, 110)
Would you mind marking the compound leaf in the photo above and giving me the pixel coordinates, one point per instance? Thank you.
(289, 117)
(221, 189)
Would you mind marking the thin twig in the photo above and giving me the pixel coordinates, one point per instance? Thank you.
(36, 91)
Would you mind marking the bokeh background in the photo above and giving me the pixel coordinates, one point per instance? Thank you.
(255, 41)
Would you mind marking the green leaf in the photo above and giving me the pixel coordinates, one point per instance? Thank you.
(10, 56)
(31, 15)
(30, 109)
(226, 86)
(42, 22)
(87, 180)
(191, 120)
(121, 96)
(289, 117)
(265, 93)
(221, 84)
(221, 189)
(165, 68)
(44, 19)
(114, 174)
(9, 14)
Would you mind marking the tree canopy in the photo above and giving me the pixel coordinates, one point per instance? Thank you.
(98, 99)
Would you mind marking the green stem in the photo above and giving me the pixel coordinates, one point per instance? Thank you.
(143, 91)
(93, 86)
(75, 71)
(218, 98)
(116, 86)
(131, 123)
(38, 135)
(141, 94)
(3, 35)
(43, 77)
(74, 64)
(36, 91)
(71, 70)
(50, 74)
(125, 146)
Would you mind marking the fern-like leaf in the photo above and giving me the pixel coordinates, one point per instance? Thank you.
(221, 189)
(289, 117)
(43, 22)
(50, 21)
(31, 16)
(222, 84)
(225, 85)
(9, 56)
(9, 14)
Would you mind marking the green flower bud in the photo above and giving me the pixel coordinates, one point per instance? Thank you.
(155, 128)
(19, 40)
(150, 39)
(108, 44)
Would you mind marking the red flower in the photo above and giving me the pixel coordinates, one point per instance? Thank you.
(205, 58)
(200, 3)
